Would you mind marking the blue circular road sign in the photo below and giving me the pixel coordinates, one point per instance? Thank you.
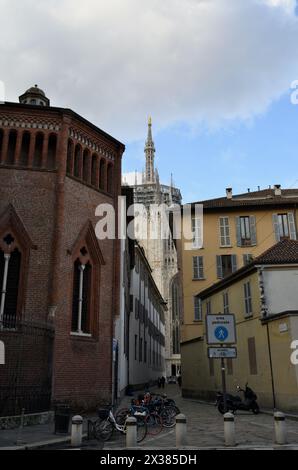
(221, 333)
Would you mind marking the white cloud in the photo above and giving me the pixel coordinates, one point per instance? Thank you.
(117, 61)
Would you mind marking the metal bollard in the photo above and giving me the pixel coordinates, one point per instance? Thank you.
(131, 432)
(181, 431)
(229, 429)
(280, 428)
(76, 431)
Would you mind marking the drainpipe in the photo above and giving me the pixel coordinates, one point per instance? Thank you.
(271, 367)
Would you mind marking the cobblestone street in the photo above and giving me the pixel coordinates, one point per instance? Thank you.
(205, 428)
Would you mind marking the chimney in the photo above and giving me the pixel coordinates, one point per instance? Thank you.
(277, 190)
(229, 192)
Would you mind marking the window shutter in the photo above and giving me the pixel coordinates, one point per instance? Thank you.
(292, 228)
(201, 267)
(238, 231)
(276, 227)
(253, 229)
(234, 263)
(195, 267)
(219, 267)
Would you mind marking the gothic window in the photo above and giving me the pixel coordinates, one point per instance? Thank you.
(15, 247)
(12, 141)
(77, 161)
(10, 266)
(94, 170)
(86, 166)
(87, 260)
(70, 162)
(102, 172)
(52, 148)
(81, 297)
(110, 179)
(37, 160)
(24, 156)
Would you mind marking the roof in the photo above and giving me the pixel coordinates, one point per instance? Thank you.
(35, 90)
(61, 111)
(256, 199)
(283, 252)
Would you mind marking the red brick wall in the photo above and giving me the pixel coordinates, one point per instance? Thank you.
(54, 208)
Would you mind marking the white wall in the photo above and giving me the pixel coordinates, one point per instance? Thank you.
(141, 372)
(281, 289)
(119, 328)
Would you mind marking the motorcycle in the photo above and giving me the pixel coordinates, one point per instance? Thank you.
(234, 402)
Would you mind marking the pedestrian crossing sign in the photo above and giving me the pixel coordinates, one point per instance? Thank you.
(221, 329)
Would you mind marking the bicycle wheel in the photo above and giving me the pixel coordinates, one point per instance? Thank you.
(142, 428)
(103, 429)
(121, 416)
(154, 424)
(168, 416)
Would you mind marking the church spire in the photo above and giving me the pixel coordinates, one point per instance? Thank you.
(150, 152)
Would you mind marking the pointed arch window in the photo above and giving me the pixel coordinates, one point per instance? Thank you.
(15, 247)
(110, 179)
(37, 160)
(87, 262)
(102, 174)
(24, 156)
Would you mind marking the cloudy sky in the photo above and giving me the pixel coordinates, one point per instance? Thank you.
(214, 74)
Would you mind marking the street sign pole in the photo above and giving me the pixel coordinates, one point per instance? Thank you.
(224, 386)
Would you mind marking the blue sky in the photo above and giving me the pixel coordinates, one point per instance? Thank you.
(215, 76)
(260, 152)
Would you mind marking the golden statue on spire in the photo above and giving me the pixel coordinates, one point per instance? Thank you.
(150, 121)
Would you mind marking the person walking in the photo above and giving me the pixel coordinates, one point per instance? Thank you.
(163, 381)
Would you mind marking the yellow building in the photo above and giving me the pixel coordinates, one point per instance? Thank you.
(235, 229)
(263, 297)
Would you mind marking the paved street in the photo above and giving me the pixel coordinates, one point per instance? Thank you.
(204, 424)
(205, 427)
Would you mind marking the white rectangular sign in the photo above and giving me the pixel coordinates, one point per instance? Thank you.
(218, 353)
(221, 329)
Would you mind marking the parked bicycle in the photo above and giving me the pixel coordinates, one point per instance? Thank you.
(159, 412)
(106, 424)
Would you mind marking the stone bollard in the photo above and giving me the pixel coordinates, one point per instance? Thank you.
(76, 431)
(131, 432)
(181, 431)
(280, 428)
(229, 429)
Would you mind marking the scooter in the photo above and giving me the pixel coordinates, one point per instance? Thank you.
(234, 402)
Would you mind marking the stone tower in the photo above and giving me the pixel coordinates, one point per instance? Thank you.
(160, 252)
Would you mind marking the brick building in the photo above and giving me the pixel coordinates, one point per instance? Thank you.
(58, 283)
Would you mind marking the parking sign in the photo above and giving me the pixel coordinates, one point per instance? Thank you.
(221, 329)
